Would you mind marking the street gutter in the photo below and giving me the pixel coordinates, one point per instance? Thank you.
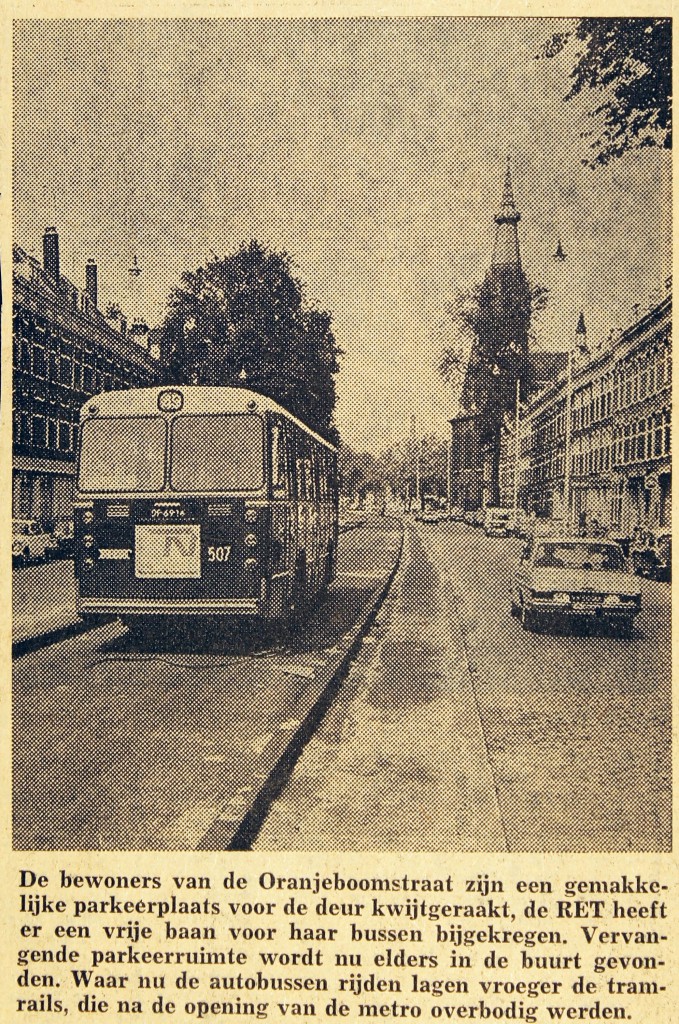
(29, 644)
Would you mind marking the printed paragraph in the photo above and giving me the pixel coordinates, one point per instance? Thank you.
(330, 946)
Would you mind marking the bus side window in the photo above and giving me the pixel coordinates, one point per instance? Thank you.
(312, 476)
(279, 463)
(302, 486)
(321, 474)
(301, 482)
(331, 466)
(305, 483)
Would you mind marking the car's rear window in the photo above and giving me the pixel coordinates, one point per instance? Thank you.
(575, 555)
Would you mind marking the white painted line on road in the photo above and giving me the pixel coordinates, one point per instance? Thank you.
(260, 742)
(303, 671)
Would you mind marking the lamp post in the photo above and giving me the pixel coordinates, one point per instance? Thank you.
(579, 343)
(567, 466)
(418, 457)
(134, 271)
(516, 448)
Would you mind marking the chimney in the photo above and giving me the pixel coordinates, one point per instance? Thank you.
(91, 281)
(123, 325)
(50, 253)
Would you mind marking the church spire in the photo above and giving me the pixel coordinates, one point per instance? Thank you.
(506, 250)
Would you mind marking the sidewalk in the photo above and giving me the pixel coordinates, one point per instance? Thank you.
(400, 761)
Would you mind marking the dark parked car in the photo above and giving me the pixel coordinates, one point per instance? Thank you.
(31, 542)
(651, 554)
(63, 535)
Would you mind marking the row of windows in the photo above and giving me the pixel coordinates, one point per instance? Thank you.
(549, 468)
(44, 431)
(75, 364)
(595, 460)
(632, 380)
(301, 468)
(548, 429)
(639, 441)
(647, 438)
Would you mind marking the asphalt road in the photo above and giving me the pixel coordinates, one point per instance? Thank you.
(578, 727)
(458, 730)
(125, 746)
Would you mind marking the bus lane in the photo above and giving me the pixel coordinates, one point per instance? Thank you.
(121, 744)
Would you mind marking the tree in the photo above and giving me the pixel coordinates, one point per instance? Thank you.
(359, 473)
(629, 62)
(247, 312)
(393, 472)
(494, 324)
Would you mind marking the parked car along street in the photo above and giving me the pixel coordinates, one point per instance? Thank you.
(651, 554)
(574, 579)
(496, 521)
(31, 542)
(63, 536)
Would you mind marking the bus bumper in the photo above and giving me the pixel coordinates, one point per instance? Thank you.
(204, 606)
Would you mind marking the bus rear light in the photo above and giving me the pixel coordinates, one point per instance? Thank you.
(88, 563)
(251, 540)
(251, 515)
(88, 516)
(250, 563)
(88, 540)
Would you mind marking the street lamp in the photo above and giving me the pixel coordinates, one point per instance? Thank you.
(579, 343)
(134, 271)
(418, 458)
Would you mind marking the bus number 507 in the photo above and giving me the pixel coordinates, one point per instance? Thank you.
(219, 554)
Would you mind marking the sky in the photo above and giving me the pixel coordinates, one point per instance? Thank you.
(371, 150)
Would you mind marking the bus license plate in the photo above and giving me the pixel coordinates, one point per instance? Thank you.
(167, 552)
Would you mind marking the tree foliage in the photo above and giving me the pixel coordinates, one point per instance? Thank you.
(247, 312)
(494, 322)
(394, 469)
(628, 61)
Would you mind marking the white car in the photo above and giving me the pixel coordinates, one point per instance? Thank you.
(579, 579)
(31, 542)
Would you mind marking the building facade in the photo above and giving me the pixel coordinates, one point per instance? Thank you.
(467, 466)
(64, 351)
(619, 441)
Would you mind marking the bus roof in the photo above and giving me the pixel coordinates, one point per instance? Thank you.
(195, 400)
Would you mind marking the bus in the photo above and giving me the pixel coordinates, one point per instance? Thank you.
(211, 501)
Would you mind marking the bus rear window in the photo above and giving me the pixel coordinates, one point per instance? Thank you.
(217, 453)
(126, 454)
